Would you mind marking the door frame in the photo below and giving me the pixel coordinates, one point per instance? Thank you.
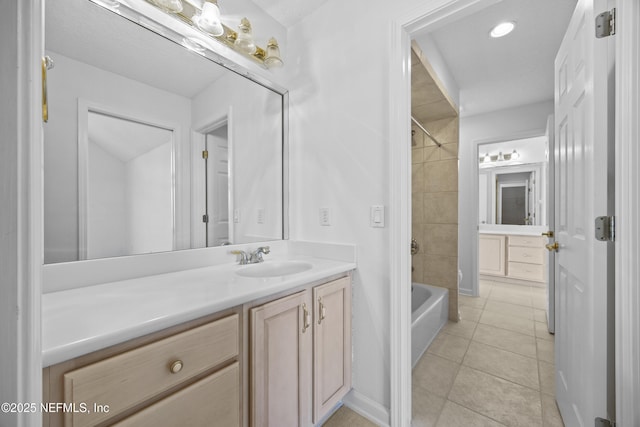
(399, 95)
(627, 264)
(627, 197)
(86, 106)
(198, 135)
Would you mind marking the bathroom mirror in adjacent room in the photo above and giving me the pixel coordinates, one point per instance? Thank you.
(512, 182)
(150, 145)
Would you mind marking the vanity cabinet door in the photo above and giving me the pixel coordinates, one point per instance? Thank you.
(331, 345)
(491, 254)
(281, 342)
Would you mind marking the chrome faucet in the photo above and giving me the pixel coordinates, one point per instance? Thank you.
(253, 257)
(256, 256)
(244, 257)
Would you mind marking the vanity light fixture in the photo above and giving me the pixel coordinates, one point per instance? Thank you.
(171, 6)
(500, 157)
(502, 29)
(206, 17)
(208, 20)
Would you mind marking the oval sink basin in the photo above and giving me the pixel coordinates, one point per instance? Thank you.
(273, 269)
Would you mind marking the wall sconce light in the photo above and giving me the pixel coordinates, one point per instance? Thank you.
(208, 20)
(171, 6)
(515, 155)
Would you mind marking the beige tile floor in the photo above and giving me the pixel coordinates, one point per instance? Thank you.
(493, 368)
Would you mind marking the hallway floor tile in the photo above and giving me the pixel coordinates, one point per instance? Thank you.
(494, 368)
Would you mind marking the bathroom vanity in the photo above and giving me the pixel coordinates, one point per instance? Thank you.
(512, 255)
(207, 346)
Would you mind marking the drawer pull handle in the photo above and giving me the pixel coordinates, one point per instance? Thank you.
(176, 366)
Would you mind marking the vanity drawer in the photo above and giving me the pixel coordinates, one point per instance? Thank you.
(130, 378)
(526, 254)
(529, 241)
(212, 401)
(526, 271)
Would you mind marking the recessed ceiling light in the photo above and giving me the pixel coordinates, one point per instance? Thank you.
(502, 29)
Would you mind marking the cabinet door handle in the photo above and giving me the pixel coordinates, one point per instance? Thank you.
(321, 310)
(306, 321)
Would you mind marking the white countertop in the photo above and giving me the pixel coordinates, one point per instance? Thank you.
(79, 321)
(518, 230)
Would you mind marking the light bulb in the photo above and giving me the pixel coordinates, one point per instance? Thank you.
(171, 6)
(487, 158)
(272, 58)
(209, 19)
(515, 155)
(244, 41)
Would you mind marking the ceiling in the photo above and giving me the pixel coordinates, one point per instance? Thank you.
(125, 139)
(428, 103)
(288, 12)
(89, 33)
(514, 70)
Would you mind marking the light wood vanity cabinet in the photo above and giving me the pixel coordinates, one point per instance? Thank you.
(298, 358)
(177, 379)
(491, 254)
(513, 256)
(526, 258)
(300, 355)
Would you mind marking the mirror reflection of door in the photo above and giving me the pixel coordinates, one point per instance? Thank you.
(513, 200)
(515, 206)
(128, 205)
(217, 187)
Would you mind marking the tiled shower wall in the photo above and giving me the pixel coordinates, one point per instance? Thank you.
(435, 208)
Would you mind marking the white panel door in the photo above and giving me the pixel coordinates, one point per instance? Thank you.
(218, 186)
(582, 75)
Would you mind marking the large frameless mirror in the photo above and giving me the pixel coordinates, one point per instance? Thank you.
(150, 146)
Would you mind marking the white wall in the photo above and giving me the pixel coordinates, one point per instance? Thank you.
(339, 145)
(255, 150)
(68, 81)
(513, 123)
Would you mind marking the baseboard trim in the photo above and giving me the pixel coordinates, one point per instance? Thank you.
(368, 408)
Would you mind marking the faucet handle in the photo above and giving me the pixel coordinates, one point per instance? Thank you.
(265, 249)
(244, 257)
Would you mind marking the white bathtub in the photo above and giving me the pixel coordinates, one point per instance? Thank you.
(429, 313)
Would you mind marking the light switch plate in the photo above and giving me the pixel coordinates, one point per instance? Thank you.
(260, 216)
(325, 216)
(376, 219)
